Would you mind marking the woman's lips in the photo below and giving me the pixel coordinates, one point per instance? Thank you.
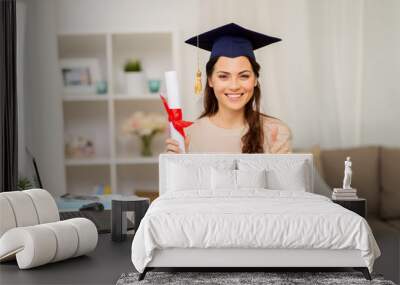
(234, 96)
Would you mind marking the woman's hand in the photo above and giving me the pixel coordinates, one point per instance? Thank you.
(172, 146)
(279, 140)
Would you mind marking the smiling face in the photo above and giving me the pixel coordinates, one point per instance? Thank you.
(233, 81)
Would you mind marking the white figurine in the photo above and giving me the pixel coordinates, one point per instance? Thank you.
(347, 174)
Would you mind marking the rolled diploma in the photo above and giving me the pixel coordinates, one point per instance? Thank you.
(174, 102)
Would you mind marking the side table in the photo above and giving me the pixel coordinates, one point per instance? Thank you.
(119, 207)
(358, 206)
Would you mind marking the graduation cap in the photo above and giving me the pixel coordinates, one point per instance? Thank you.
(230, 40)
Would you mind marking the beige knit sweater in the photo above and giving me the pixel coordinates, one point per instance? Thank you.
(205, 136)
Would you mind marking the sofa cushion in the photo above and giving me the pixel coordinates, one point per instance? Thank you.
(365, 172)
(390, 183)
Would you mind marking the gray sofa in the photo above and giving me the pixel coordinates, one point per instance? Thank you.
(376, 175)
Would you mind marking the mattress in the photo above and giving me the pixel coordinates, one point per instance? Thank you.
(250, 219)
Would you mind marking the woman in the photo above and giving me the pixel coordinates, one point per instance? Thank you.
(231, 121)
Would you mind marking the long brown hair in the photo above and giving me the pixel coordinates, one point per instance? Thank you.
(253, 140)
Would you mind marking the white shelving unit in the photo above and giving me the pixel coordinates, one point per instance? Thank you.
(117, 161)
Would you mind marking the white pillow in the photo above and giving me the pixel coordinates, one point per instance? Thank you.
(182, 177)
(251, 178)
(223, 179)
(185, 175)
(293, 179)
(236, 179)
(282, 174)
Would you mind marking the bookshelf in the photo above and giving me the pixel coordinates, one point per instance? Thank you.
(99, 117)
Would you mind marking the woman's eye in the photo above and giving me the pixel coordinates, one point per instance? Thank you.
(222, 76)
(245, 76)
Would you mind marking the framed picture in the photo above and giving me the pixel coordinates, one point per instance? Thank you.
(80, 75)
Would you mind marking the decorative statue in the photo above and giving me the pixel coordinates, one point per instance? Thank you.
(347, 174)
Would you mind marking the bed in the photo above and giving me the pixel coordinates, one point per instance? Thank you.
(245, 211)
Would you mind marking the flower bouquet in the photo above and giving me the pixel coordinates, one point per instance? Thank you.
(145, 126)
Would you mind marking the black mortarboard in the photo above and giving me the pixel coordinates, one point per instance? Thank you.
(231, 40)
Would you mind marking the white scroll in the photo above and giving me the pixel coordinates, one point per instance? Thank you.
(174, 102)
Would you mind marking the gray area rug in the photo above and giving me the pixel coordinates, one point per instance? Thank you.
(228, 278)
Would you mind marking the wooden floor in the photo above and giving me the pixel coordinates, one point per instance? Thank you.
(102, 266)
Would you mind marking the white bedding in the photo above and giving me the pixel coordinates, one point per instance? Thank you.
(251, 218)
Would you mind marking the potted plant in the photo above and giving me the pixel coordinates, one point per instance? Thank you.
(24, 183)
(134, 77)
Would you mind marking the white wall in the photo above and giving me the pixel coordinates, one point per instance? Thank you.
(43, 124)
(381, 84)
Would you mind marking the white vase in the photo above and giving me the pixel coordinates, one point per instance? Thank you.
(135, 83)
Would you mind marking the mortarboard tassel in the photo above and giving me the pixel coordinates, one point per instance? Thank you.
(197, 82)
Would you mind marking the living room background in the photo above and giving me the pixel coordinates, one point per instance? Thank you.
(333, 78)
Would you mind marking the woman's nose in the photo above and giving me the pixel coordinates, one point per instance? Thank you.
(234, 84)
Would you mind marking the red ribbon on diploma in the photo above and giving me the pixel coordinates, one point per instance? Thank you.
(175, 117)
